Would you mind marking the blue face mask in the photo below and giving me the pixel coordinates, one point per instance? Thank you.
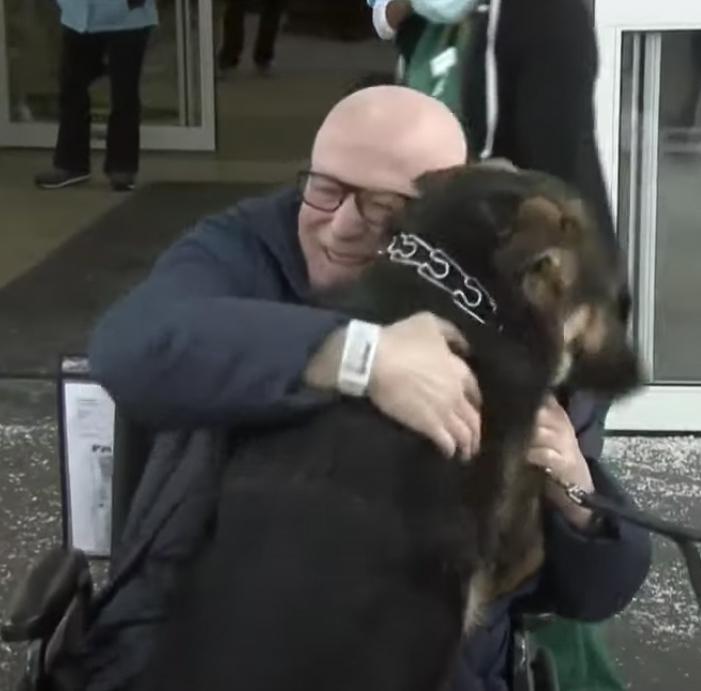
(444, 11)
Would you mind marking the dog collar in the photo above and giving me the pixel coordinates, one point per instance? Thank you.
(442, 271)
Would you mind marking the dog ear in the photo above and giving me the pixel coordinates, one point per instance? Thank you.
(537, 252)
(435, 179)
(562, 224)
(575, 217)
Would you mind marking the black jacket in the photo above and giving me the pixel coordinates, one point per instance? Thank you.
(547, 61)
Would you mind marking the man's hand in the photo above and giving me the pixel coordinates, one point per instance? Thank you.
(416, 379)
(419, 381)
(555, 446)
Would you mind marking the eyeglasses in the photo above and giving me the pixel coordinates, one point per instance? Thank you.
(326, 193)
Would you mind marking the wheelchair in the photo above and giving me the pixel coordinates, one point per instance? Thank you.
(52, 607)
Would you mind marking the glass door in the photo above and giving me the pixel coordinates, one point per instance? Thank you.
(649, 129)
(177, 87)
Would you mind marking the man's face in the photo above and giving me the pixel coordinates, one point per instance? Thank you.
(365, 158)
(342, 226)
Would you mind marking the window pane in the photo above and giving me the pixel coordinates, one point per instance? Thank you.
(630, 76)
(170, 83)
(33, 43)
(659, 217)
(170, 88)
(678, 246)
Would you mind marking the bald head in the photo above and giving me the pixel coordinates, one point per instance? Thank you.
(384, 137)
(380, 140)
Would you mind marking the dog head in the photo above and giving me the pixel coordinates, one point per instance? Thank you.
(530, 232)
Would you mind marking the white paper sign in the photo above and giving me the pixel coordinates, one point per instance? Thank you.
(89, 443)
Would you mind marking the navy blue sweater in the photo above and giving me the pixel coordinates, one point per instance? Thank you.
(219, 334)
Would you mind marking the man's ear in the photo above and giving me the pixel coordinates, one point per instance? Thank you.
(435, 179)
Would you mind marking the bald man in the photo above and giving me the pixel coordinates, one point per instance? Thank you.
(219, 333)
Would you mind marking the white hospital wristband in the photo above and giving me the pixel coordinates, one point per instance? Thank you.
(379, 19)
(358, 355)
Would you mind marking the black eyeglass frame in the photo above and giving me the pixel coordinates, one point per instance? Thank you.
(361, 197)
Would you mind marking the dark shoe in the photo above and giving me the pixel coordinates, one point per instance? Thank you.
(122, 182)
(57, 178)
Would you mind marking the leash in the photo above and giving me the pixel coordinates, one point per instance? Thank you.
(685, 538)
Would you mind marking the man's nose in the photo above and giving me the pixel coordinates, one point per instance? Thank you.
(347, 223)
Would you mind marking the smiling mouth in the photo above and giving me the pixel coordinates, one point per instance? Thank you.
(347, 259)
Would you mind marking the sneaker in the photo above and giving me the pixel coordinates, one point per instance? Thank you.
(122, 182)
(57, 177)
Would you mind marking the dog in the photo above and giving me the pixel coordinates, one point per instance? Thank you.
(349, 553)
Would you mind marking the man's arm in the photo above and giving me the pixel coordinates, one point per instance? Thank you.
(195, 344)
(591, 574)
(417, 379)
(203, 341)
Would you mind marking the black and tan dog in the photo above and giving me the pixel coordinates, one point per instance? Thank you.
(349, 554)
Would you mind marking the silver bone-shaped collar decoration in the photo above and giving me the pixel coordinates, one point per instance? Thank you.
(436, 267)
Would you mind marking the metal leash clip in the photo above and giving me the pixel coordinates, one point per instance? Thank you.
(573, 491)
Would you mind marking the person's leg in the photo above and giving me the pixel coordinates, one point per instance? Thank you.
(268, 28)
(126, 51)
(80, 53)
(232, 33)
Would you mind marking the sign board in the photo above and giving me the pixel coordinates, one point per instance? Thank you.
(86, 442)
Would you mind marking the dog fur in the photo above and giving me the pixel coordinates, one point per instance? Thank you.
(349, 554)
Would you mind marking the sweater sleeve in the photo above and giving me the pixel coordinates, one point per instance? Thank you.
(193, 345)
(592, 577)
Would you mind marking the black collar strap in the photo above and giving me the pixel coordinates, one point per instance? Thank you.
(439, 269)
